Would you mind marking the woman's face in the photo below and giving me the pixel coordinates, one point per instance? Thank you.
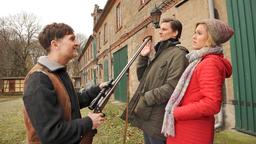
(200, 37)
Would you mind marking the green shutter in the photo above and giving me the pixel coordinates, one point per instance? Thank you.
(242, 17)
(120, 60)
(106, 70)
(94, 76)
(94, 49)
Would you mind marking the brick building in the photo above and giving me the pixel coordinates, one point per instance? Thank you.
(121, 26)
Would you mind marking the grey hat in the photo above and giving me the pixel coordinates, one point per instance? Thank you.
(220, 31)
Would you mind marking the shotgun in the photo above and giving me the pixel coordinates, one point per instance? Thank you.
(98, 104)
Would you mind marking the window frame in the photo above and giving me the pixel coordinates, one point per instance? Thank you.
(105, 35)
(118, 17)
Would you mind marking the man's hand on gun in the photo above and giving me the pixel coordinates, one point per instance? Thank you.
(97, 119)
(103, 85)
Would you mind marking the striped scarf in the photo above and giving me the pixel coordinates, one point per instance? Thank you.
(194, 57)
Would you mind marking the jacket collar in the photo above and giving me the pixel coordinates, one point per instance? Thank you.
(165, 44)
(51, 65)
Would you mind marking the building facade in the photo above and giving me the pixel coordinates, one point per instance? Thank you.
(121, 26)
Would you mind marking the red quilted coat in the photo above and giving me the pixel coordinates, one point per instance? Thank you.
(194, 117)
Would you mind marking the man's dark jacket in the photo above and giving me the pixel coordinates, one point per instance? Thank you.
(45, 112)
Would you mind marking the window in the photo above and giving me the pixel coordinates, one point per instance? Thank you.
(118, 17)
(19, 85)
(87, 56)
(86, 60)
(105, 33)
(101, 72)
(6, 86)
(94, 48)
(89, 52)
(84, 76)
(91, 74)
(99, 41)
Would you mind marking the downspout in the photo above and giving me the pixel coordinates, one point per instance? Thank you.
(211, 9)
(219, 123)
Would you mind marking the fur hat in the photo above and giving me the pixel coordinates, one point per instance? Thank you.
(219, 30)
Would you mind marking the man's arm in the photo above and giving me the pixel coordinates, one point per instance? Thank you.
(46, 114)
(143, 59)
(141, 66)
(86, 96)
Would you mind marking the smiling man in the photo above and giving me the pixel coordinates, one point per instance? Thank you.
(52, 107)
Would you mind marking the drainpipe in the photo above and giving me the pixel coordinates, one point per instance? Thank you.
(211, 9)
(220, 115)
(220, 121)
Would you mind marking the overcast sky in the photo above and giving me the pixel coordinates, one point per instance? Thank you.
(76, 13)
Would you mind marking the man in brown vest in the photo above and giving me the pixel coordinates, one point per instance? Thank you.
(52, 107)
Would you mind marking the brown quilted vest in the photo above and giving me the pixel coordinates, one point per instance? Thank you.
(63, 99)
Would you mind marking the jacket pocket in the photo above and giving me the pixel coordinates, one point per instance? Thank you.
(142, 110)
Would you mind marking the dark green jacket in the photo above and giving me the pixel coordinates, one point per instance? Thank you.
(158, 79)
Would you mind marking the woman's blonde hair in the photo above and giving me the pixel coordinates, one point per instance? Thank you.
(210, 42)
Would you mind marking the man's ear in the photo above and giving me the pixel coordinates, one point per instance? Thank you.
(54, 44)
(176, 33)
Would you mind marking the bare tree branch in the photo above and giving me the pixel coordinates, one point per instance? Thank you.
(19, 36)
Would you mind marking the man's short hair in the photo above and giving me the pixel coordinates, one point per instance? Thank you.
(53, 31)
(175, 25)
